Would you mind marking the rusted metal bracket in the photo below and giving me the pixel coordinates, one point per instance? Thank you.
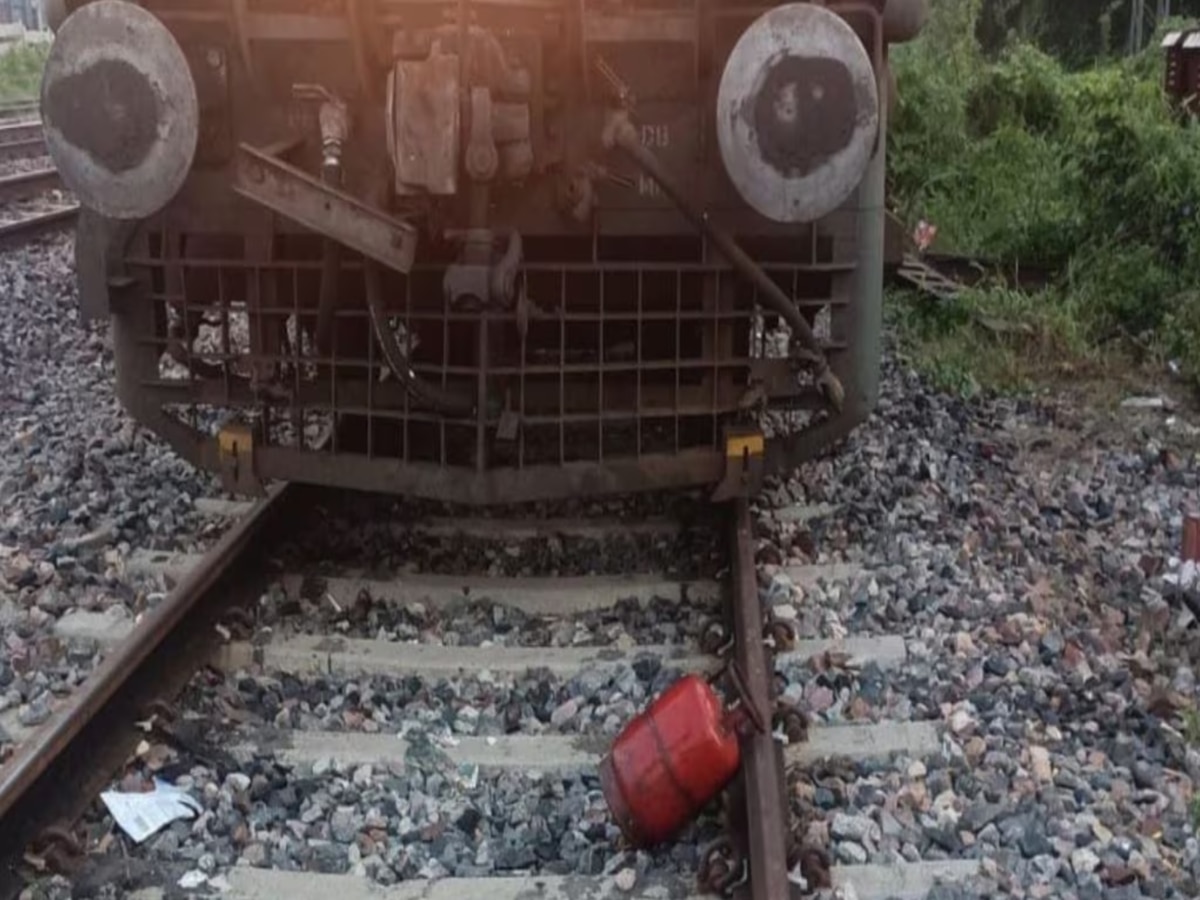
(235, 451)
(744, 453)
(295, 194)
(98, 244)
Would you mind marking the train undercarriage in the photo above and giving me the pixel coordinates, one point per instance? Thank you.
(485, 251)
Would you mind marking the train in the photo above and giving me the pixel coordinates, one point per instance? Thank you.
(483, 251)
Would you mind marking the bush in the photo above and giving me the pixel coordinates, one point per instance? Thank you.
(1091, 172)
(21, 71)
(992, 337)
(1024, 91)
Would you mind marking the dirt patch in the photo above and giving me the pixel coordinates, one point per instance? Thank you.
(1109, 406)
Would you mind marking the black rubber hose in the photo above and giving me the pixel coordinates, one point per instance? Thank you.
(430, 395)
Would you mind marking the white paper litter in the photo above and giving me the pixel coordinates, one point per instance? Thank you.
(141, 815)
(1146, 403)
(193, 879)
(1186, 576)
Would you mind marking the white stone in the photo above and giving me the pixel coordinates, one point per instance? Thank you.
(626, 879)
(1084, 861)
(960, 721)
(189, 881)
(1039, 763)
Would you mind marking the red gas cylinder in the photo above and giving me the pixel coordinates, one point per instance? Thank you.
(670, 761)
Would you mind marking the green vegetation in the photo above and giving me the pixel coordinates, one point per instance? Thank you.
(21, 71)
(1018, 160)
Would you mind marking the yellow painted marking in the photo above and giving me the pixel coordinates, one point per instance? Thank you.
(753, 444)
(231, 436)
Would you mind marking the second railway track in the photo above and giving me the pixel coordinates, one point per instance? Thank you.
(32, 200)
(401, 717)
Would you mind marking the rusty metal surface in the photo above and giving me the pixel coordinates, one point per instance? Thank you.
(24, 185)
(766, 821)
(119, 108)
(56, 774)
(424, 117)
(657, 472)
(290, 192)
(623, 366)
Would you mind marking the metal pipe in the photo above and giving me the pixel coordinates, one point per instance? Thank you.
(864, 315)
(620, 132)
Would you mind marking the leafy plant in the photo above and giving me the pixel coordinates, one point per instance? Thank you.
(21, 70)
(1021, 161)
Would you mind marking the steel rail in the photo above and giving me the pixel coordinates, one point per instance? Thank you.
(57, 773)
(19, 109)
(15, 132)
(762, 772)
(13, 234)
(25, 185)
(26, 149)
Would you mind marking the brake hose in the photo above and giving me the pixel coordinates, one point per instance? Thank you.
(431, 395)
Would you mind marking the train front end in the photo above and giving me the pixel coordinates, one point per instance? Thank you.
(483, 251)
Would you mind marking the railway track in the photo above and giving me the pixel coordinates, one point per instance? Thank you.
(404, 631)
(13, 109)
(21, 139)
(31, 203)
(28, 185)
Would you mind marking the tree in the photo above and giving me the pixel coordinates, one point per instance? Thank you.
(1077, 32)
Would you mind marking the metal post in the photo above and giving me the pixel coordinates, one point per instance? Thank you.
(1137, 16)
